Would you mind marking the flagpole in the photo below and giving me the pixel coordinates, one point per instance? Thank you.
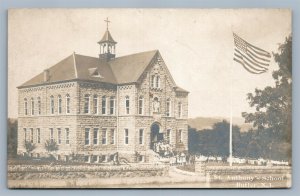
(230, 126)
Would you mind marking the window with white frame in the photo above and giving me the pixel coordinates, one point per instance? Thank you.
(168, 107)
(58, 135)
(51, 104)
(86, 109)
(168, 137)
(141, 136)
(141, 105)
(153, 81)
(127, 105)
(179, 109)
(104, 136)
(180, 135)
(32, 106)
(112, 136)
(103, 102)
(31, 135)
(112, 105)
(68, 100)
(67, 135)
(51, 135)
(95, 104)
(25, 106)
(59, 104)
(157, 82)
(126, 134)
(39, 106)
(95, 136)
(38, 135)
(87, 136)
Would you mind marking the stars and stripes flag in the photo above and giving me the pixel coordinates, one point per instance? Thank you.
(252, 58)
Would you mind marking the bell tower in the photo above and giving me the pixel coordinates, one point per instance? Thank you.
(107, 45)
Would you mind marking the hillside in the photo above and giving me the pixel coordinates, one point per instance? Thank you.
(201, 123)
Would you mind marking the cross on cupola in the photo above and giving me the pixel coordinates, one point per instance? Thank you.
(107, 45)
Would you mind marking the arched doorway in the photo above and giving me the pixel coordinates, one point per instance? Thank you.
(156, 136)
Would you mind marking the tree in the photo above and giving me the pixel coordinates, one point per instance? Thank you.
(274, 104)
(29, 147)
(51, 145)
(12, 137)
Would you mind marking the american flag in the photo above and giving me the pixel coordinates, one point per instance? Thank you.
(253, 59)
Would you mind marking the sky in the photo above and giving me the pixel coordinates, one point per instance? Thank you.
(196, 45)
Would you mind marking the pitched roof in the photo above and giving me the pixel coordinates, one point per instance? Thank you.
(121, 70)
(107, 38)
(128, 69)
(179, 89)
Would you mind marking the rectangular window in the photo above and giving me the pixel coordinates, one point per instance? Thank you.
(38, 135)
(103, 105)
(141, 105)
(51, 135)
(31, 135)
(152, 81)
(95, 104)
(87, 136)
(25, 107)
(86, 104)
(59, 104)
(180, 135)
(52, 105)
(95, 137)
(25, 134)
(112, 136)
(168, 108)
(168, 136)
(68, 99)
(180, 110)
(112, 105)
(67, 135)
(32, 106)
(126, 136)
(127, 105)
(141, 136)
(59, 136)
(104, 136)
(39, 106)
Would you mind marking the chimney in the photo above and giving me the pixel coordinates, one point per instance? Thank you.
(46, 75)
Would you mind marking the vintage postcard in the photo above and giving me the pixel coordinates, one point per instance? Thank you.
(149, 98)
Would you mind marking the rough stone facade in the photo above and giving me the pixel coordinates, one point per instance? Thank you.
(95, 120)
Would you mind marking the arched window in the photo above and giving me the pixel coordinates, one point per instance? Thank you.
(39, 106)
(59, 102)
(103, 105)
(112, 105)
(25, 107)
(68, 100)
(179, 109)
(156, 105)
(51, 104)
(168, 107)
(95, 104)
(86, 108)
(141, 105)
(32, 106)
(127, 104)
(157, 84)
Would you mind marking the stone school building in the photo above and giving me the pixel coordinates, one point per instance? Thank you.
(95, 107)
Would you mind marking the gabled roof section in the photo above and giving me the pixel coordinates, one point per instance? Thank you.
(128, 69)
(121, 70)
(107, 38)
